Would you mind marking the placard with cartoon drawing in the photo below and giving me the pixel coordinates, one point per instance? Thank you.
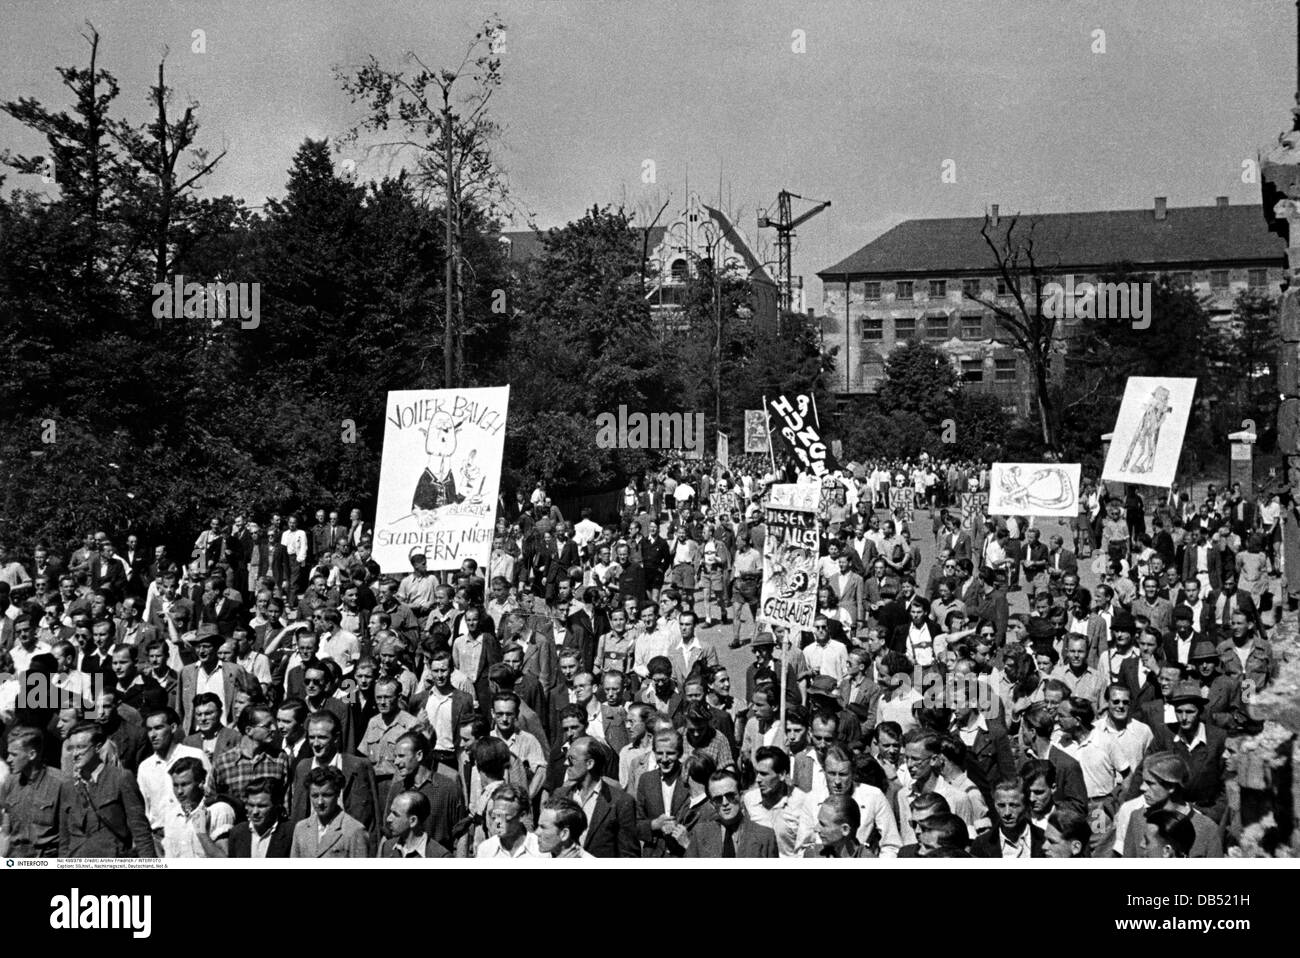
(1148, 436)
(1034, 489)
(439, 476)
(789, 596)
(755, 430)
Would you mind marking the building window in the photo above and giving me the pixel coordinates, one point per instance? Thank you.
(1181, 280)
(1257, 278)
(871, 291)
(678, 270)
(936, 327)
(972, 371)
(903, 289)
(1003, 288)
(873, 329)
(970, 288)
(972, 326)
(938, 288)
(1004, 370)
(905, 328)
(1218, 279)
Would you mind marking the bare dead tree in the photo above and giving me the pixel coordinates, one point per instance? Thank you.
(648, 223)
(158, 148)
(1023, 321)
(451, 137)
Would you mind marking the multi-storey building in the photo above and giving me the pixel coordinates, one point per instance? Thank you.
(676, 255)
(932, 279)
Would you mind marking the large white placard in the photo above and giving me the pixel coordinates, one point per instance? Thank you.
(1034, 489)
(439, 477)
(790, 556)
(1148, 436)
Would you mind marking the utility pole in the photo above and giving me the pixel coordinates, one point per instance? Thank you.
(717, 363)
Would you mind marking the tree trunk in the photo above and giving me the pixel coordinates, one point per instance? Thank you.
(165, 177)
(448, 340)
(1044, 402)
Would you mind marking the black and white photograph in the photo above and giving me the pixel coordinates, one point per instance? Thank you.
(639, 433)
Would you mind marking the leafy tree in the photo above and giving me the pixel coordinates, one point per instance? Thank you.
(919, 379)
(582, 344)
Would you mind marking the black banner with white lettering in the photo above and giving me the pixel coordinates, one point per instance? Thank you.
(795, 420)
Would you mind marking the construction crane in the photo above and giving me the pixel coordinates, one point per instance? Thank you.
(785, 225)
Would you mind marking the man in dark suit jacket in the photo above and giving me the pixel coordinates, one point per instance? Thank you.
(632, 579)
(101, 810)
(988, 757)
(408, 836)
(1200, 745)
(859, 692)
(264, 805)
(1037, 725)
(653, 821)
(1229, 599)
(233, 679)
(1014, 835)
(1060, 563)
(584, 625)
(220, 607)
(1143, 685)
(358, 529)
(137, 563)
(898, 638)
(731, 834)
(108, 575)
(1189, 562)
(612, 824)
(954, 540)
(655, 556)
(360, 797)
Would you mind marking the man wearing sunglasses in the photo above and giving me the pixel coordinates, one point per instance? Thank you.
(731, 834)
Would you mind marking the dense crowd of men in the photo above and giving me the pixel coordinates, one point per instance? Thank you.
(276, 695)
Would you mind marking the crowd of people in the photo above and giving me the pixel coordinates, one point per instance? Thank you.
(277, 695)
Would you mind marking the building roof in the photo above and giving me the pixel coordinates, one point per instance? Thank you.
(754, 269)
(1089, 240)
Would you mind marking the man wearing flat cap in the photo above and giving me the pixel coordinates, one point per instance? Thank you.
(1224, 705)
(824, 697)
(1198, 744)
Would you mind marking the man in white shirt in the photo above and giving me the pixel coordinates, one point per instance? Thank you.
(336, 643)
(25, 644)
(1015, 833)
(1131, 738)
(773, 801)
(1104, 765)
(837, 780)
(1195, 604)
(823, 656)
(654, 640)
(512, 839)
(193, 828)
(585, 530)
(294, 541)
(922, 762)
(154, 773)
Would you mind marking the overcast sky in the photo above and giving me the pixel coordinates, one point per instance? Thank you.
(887, 90)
